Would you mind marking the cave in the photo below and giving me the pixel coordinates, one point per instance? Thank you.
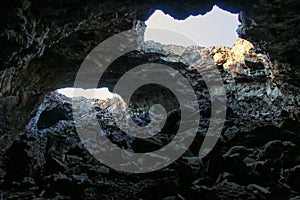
(44, 44)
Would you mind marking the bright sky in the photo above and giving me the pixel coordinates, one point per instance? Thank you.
(99, 93)
(215, 28)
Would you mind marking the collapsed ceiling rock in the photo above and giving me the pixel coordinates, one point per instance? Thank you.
(220, 54)
(242, 59)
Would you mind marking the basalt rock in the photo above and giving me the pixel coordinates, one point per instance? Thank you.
(50, 40)
(243, 60)
(61, 159)
(43, 44)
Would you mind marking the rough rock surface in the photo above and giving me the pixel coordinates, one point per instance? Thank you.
(42, 46)
(44, 43)
(257, 156)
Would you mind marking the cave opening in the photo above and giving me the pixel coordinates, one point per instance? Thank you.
(97, 93)
(216, 28)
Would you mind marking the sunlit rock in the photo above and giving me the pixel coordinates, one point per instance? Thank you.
(220, 54)
(242, 59)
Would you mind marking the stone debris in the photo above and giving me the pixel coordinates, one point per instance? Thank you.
(242, 59)
(42, 46)
(257, 156)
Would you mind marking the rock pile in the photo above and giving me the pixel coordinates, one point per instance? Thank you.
(257, 156)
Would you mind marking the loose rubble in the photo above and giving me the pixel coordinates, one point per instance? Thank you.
(257, 156)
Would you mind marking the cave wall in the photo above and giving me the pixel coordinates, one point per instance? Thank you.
(44, 42)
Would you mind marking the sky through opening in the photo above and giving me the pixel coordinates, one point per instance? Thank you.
(215, 28)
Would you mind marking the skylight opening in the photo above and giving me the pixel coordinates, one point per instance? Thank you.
(215, 28)
(97, 93)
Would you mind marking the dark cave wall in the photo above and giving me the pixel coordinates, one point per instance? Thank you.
(44, 42)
